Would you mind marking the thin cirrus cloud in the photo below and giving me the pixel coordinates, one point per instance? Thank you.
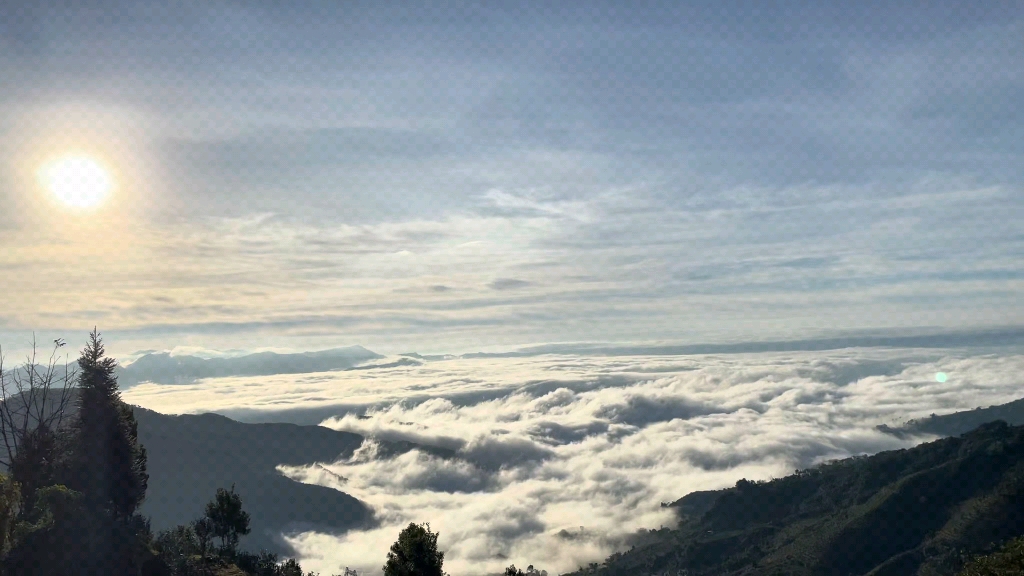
(543, 443)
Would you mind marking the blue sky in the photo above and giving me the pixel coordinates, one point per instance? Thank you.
(440, 178)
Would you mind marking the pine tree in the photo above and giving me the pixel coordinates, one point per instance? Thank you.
(107, 466)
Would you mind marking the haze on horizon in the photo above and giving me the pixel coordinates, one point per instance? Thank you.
(316, 174)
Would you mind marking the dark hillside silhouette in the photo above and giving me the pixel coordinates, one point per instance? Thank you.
(190, 457)
(961, 422)
(899, 513)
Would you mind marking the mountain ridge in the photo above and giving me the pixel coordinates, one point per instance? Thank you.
(896, 513)
(164, 368)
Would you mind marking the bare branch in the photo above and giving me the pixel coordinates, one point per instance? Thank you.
(33, 396)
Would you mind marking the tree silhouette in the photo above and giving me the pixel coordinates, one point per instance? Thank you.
(34, 403)
(203, 528)
(415, 553)
(109, 467)
(106, 467)
(227, 518)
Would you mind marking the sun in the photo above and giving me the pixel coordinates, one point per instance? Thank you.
(77, 181)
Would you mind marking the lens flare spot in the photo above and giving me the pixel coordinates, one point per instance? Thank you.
(941, 377)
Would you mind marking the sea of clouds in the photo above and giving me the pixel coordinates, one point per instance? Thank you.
(561, 459)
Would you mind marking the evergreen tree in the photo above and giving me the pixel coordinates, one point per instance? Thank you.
(415, 553)
(109, 466)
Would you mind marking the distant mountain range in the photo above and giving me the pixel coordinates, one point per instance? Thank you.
(163, 368)
(898, 513)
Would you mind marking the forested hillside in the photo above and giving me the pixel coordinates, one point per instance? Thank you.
(961, 422)
(908, 512)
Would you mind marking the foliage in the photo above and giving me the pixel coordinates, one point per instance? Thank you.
(49, 539)
(415, 553)
(35, 464)
(203, 529)
(227, 518)
(530, 571)
(1008, 561)
(10, 497)
(184, 550)
(262, 564)
(179, 549)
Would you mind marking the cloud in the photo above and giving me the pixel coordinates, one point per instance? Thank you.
(507, 284)
(641, 411)
(741, 181)
(520, 451)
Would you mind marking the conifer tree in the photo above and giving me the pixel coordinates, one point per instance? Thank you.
(109, 464)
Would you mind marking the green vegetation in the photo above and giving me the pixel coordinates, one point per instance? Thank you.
(415, 553)
(227, 519)
(1008, 561)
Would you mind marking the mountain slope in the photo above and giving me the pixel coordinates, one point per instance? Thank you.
(960, 422)
(896, 513)
(190, 456)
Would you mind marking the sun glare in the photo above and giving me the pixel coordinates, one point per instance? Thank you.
(77, 181)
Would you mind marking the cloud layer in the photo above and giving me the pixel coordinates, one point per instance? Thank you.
(436, 181)
(560, 459)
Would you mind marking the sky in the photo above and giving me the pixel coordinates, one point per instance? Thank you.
(303, 175)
